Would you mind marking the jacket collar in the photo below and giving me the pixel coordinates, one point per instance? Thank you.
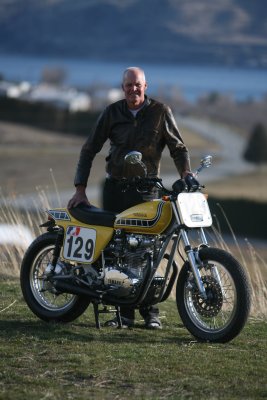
(146, 104)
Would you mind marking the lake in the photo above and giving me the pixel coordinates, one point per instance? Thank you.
(192, 81)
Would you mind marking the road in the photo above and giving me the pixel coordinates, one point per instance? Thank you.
(231, 145)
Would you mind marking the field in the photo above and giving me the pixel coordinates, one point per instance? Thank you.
(29, 158)
(76, 361)
(28, 154)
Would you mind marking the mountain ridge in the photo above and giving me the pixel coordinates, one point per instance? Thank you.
(185, 31)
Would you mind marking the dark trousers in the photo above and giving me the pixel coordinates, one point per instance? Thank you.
(114, 199)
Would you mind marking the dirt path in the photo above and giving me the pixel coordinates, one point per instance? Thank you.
(231, 145)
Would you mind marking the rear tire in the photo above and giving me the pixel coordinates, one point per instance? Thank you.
(41, 297)
(222, 316)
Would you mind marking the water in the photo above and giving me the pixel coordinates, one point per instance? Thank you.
(191, 80)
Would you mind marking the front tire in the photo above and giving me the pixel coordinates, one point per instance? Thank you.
(43, 300)
(224, 313)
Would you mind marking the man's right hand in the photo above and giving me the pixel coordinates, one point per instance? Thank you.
(79, 197)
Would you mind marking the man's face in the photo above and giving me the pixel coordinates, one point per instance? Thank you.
(134, 87)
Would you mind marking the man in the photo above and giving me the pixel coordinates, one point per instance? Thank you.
(134, 123)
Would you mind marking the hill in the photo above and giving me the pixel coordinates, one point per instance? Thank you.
(232, 32)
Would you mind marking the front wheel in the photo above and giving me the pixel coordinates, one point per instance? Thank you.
(40, 295)
(222, 315)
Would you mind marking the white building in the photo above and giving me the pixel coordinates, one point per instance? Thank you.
(68, 98)
(14, 90)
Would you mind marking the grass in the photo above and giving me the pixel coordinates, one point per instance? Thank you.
(76, 361)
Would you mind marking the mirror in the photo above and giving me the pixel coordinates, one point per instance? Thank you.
(206, 162)
(134, 157)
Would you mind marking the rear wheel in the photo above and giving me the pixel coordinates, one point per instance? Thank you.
(221, 316)
(40, 295)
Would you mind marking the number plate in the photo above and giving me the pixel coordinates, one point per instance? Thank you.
(194, 210)
(79, 244)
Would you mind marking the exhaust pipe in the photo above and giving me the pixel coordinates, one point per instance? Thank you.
(65, 287)
(73, 289)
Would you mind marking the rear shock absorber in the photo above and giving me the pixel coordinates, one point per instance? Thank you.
(57, 249)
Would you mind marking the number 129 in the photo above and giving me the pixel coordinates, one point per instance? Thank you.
(80, 249)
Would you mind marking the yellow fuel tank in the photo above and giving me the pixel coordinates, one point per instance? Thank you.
(151, 217)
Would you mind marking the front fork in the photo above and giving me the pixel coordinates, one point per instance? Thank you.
(194, 261)
(192, 256)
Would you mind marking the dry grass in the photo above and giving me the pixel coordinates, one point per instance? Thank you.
(255, 267)
(252, 261)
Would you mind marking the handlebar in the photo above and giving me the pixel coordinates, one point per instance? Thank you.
(145, 185)
(142, 185)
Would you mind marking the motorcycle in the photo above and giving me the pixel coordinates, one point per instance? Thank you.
(89, 255)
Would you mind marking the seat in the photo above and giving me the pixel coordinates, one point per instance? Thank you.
(92, 215)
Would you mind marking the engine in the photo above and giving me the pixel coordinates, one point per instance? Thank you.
(126, 261)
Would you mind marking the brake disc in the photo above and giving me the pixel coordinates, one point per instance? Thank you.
(212, 305)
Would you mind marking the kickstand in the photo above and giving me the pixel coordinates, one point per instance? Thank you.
(105, 310)
(96, 312)
(118, 315)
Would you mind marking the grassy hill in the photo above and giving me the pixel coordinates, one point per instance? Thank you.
(28, 154)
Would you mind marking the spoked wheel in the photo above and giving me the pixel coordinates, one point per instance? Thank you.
(222, 314)
(40, 295)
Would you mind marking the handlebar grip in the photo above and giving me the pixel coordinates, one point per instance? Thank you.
(191, 182)
(179, 186)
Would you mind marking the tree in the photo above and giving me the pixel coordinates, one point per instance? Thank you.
(256, 150)
(53, 75)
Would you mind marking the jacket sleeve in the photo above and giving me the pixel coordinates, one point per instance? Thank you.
(175, 143)
(91, 147)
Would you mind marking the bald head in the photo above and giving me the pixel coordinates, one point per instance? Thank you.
(134, 87)
(133, 71)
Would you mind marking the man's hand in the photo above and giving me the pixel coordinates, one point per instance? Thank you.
(187, 172)
(79, 197)
(190, 180)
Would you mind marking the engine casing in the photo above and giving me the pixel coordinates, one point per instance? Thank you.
(126, 261)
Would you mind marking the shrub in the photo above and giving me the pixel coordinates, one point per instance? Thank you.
(256, 150)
